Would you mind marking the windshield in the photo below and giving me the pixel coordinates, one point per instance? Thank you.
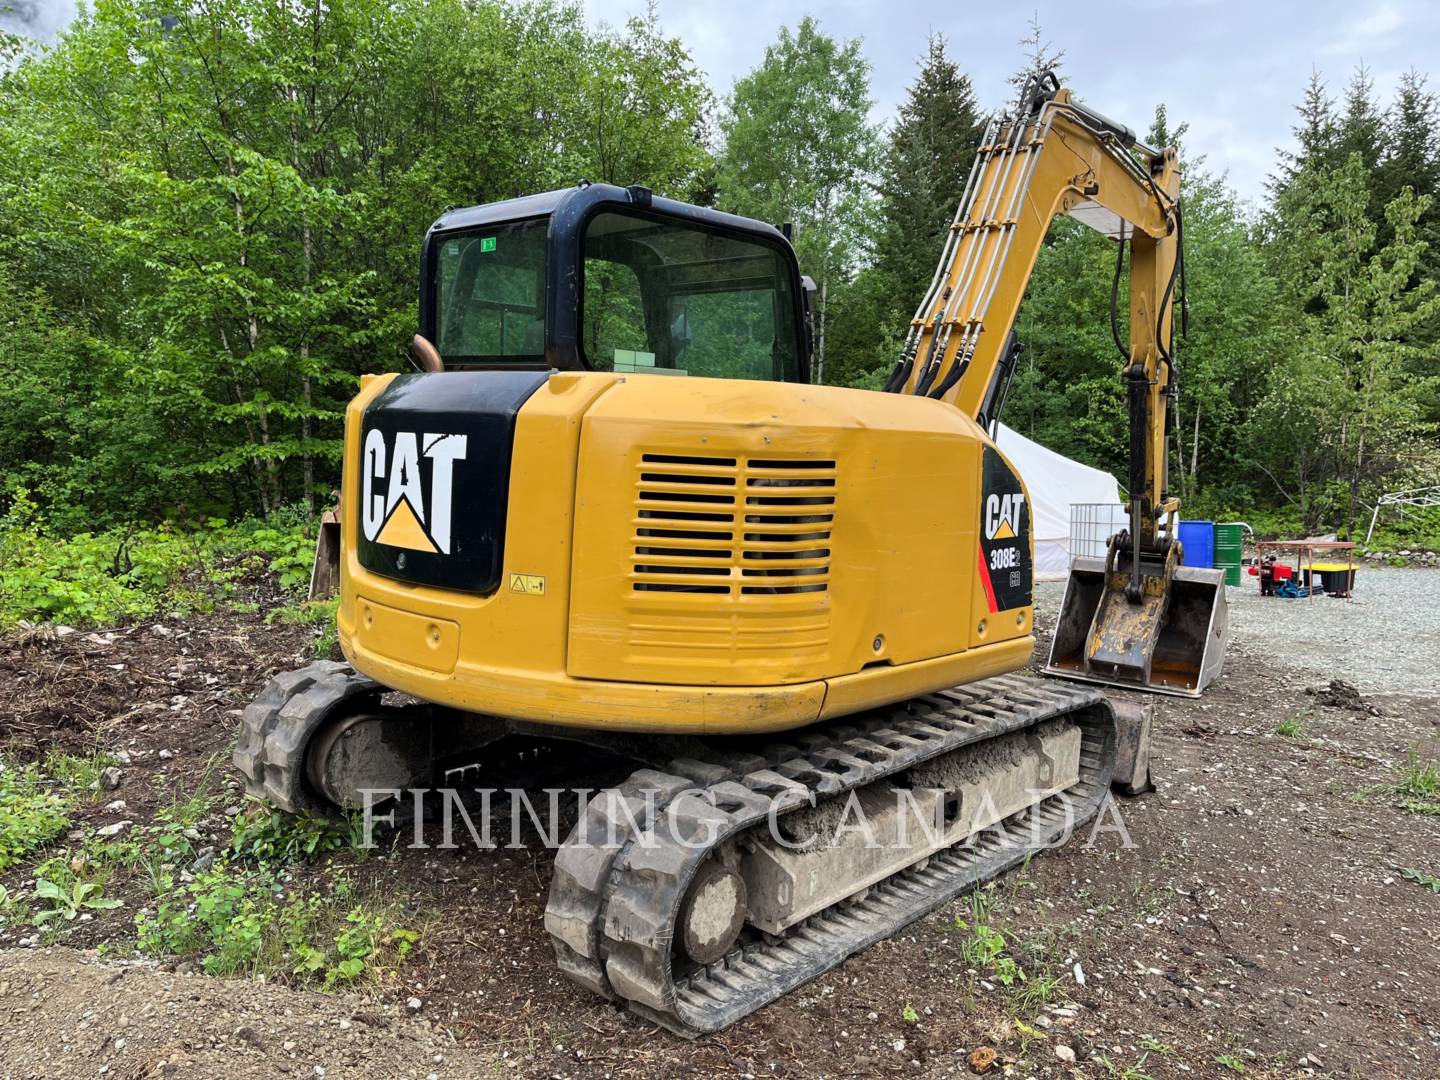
(672, 298)
(492, 294)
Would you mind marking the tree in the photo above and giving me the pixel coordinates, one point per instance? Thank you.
(799, 146)
(1346, 403)
(222, 211)
(928, 159)
(1317, 133)
(1040, 55)
(643, 110)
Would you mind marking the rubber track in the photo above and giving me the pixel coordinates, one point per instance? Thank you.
(276, 727)
(614, 903)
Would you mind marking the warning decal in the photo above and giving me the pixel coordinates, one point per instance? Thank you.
(1006, 569)
(529, 584)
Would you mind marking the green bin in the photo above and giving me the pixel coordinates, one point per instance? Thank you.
(1229, 543)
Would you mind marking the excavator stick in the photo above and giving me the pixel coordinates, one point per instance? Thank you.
(1167, 636)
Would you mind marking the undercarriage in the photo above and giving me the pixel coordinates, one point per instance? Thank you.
(725, 872)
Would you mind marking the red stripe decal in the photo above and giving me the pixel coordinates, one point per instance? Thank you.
(985, 579)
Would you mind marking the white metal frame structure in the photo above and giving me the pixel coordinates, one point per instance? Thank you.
(1418, 497)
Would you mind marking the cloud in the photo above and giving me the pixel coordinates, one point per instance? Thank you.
(39, 19)
(1375, 28)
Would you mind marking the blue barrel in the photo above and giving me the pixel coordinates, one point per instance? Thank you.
(1197, 543)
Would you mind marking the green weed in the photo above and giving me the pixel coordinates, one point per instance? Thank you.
(238, 919)
(319, 614)
(1290, 727)
(67, 902)
(1424, 880)
(1021, 967)
(31, 815)
(1231, 1062)
(269, 835)
(1125, 1072)
(1419, 786)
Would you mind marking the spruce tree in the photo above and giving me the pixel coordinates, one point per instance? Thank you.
(1318, 134)
(929, 157)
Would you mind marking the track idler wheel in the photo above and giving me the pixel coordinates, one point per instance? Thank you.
(712, 912)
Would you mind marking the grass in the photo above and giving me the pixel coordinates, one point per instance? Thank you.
(319, 614)
(1290, 727)
(30, 815)
(1419, 786)
(1022, 967)
(1125, 1072)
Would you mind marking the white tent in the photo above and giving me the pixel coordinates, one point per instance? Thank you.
(1054, 482)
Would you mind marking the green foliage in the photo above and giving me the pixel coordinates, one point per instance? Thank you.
(31, 815)
(319, 614)
(922, 169)
(1419, 785)
(909, 1015)
(208, 223)
(799, 147)
(1290, 727)
(241, 920)
(67, 903)
(269, 835)
(129, 574)
(1424, 880)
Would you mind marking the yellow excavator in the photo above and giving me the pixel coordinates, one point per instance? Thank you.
(610, 510)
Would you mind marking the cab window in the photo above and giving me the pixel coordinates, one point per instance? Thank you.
(492, 294)
(667, 297)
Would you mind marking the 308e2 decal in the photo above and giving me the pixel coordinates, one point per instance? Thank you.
(1006, 571)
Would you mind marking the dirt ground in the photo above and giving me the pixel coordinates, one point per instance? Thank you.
(1257, 919)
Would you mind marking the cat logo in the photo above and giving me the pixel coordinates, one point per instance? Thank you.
(397, 515)
(1002, 516)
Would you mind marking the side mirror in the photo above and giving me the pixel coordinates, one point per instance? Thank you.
(808, 290)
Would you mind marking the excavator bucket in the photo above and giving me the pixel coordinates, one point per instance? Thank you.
(325, 570)
(1171, 640)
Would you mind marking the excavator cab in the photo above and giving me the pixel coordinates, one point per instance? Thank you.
(602, 278)
(599, 278)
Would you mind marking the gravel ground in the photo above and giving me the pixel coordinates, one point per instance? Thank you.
(1385, 641)
(68, 1015)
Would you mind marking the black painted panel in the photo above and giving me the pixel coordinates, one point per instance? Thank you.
(435, 476)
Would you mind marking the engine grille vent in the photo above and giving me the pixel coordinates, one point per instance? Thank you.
(724, 526)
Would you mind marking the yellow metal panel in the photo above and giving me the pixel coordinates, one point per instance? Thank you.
(420, 641)
(883, 686)
(743, 533)
(553, 698)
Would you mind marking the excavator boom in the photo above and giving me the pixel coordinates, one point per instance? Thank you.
(1138, 618)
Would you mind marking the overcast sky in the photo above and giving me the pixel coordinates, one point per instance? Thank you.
(1233, 69)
